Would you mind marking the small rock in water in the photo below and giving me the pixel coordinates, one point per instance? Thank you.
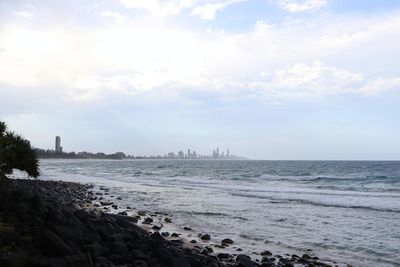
(167, 220)
(106, 203)
(114, 206)
(193, 241)
(266, 253)
(123, 213)
(141, 213)
(128, 208)
(156, 227)
(148, 220)
(165, 234)
(119, 198)
(227, 241)
(174, 235)
(223, 256)
(205, 237)
(187, 228)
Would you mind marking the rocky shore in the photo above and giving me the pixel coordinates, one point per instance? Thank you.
(61, 224)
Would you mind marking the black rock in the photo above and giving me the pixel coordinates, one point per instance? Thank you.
(205, 237)
(266, 253)
(165, 234)
(157, 239)
(94, 249)
(140, 263)
(148, 220)
(227, 241)
(141, 213)
(244, 261)
(223, 256)
(156, 228)
(53, 245)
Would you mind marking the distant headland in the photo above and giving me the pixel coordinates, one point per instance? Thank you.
(190, 154)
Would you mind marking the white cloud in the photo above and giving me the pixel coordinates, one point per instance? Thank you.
(381, 85)
(25, 14)
(296, 6)
(135, 57)
(160, 8)
(312, 80)
(115, 15)
(207, 11)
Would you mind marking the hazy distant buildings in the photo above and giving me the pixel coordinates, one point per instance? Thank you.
(192, 154)
(58, 147)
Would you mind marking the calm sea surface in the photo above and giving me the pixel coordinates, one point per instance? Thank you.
(347, 211)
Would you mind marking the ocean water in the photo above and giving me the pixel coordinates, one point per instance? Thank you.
(343, 211)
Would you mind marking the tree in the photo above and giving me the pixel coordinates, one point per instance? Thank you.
(16, 153)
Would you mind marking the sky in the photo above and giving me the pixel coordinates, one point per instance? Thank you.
(268, 79)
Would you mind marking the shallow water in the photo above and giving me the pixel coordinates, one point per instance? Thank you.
(345, 211)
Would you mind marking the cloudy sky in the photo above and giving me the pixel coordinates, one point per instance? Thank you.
(269, 79)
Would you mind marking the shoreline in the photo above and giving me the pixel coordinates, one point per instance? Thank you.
(55, 223)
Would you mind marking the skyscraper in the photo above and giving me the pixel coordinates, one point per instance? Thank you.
(58, 145)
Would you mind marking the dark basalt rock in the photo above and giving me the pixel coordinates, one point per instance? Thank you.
(148, 220)
(165, 234)
(53, 245)
(141, 213)
(266, 253)
(244, 261)
(227, 241)
(205, 237)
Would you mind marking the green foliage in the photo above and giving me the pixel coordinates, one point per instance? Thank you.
(16, 153)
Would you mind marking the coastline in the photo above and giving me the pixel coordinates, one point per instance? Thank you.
(55, 223)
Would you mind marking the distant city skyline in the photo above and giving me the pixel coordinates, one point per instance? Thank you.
(191, 154)
(268, 79)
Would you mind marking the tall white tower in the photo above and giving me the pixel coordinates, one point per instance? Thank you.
(58, 145)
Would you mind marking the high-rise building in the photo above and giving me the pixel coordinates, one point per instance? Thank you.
(58, 145)
(227, 154)
(217, 152)
(188, 154)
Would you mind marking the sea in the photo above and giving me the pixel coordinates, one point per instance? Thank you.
(343, 211)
